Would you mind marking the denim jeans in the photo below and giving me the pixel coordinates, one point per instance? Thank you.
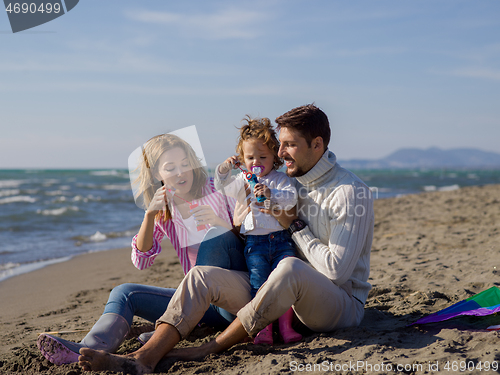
(219, 248)
(263, 253)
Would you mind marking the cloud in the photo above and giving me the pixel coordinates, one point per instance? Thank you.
(370, 51)
(483, 73)
(141, 89)
(223, 24)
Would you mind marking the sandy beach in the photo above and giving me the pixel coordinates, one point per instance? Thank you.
(430, 250)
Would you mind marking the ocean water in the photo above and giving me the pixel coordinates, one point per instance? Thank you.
(396, 182)
(49, 216)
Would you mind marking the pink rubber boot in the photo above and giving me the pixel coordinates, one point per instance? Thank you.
(265, 336)
(286, 330)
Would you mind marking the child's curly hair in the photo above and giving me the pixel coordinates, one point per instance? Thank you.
(261, 129)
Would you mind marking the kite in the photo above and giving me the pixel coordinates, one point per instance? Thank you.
(482, 304)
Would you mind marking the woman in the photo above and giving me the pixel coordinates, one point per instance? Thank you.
(182, 204)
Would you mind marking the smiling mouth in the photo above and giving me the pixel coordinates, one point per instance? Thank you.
(181, 182)
(288, 163)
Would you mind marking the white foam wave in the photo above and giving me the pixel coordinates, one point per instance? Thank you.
(57, 211)
(430, 188)
(11, 183)
(14, 269)
(49, 182)
(8, 266)
(17, 199)
(449, 188)
(117, 187)
(79, 198)
(6, 193)
(109, 173)
(54, 192)
(98, 236)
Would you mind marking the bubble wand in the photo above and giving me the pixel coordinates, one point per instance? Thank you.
(191, 206)
(252, 178)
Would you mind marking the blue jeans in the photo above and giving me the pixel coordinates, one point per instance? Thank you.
(263, 253)
(219, 248)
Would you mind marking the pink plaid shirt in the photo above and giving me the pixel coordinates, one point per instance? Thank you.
(177, 233)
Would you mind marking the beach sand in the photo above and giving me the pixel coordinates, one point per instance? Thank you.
(430, 250)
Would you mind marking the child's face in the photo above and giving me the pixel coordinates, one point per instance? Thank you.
(256, 153)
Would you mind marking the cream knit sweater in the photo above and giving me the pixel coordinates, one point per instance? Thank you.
(338, 208)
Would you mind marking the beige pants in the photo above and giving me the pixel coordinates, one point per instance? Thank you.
(317, 301)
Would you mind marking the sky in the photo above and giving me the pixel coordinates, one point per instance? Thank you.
(86, 89)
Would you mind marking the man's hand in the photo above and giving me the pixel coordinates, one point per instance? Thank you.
(285, 218)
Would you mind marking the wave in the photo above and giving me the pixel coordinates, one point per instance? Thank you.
(57, 211)
(11, 183)
(48, 182)
(449, 188)
(13, 269)
(99, 237)
(55, 192)
(17, 199)
(112, 172)
(8, 266)
(91, 198)
(117, 187)
(441, 188)
(6, 193)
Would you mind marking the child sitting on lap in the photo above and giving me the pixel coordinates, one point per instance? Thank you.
(266, 241)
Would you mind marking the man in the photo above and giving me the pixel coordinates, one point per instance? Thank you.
(333, 231)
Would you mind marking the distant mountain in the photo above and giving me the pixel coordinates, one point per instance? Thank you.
(433, 157)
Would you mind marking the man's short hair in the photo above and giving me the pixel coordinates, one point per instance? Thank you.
(309, 121)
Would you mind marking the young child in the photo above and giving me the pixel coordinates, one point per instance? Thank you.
(266, 241)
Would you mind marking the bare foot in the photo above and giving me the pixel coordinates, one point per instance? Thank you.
(186, 354)
(98, 360)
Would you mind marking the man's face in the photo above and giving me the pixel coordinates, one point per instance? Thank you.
(296, 152)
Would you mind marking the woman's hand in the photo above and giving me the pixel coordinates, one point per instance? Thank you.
(242, 207)
(204, 215)
(229, 164)
(159, 201)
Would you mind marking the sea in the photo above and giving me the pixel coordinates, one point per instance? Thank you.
(49, 216)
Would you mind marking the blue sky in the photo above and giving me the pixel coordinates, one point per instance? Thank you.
(86, 89)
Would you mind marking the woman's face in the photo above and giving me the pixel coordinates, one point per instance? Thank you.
(175, 171)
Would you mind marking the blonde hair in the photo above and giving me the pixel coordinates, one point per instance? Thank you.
(147, 179)
(261, 129)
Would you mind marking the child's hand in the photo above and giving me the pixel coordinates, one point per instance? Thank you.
(230, 163)
(261, 189)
